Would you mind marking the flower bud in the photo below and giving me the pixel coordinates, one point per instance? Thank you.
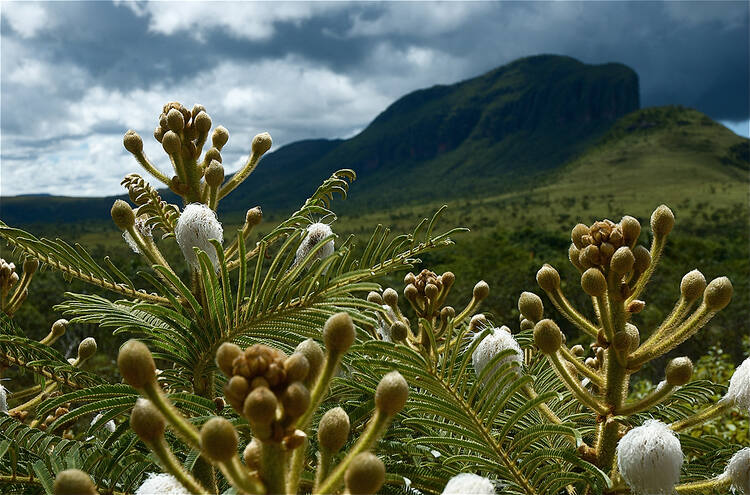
(718, 293)
(635, 306)
(260, 406)
(577, 350)
(622, 260)
(261, 144)
(679, 370)
(253, 216)
(548, 278)
(219, 439)
(159, 134)
(296, 400)
(86, 349)
(738, 471)
(59, 327)
(448, 278)
(391, 393)
(365, 475)
(30, 265)
(136, 364)
(574, 255)
(621, 341)
(333, 429)
(225, 356)
(146, 421)
(314, 354)
(635, 336)
(253, 455)
(692, 285)
(593, 282)
(202, 123)
(399, 331)
(214, 173)
(649, 458)
(73, 482)
(411, 292)
(530, 306)
(132, 142)
(577, 233)
(175, 120)
(642, 259)
(122, 215)
(219, 137)
(338, 333)
(547, 336)
(390, 297)
(211, 155)
(297, 367)
(662, 221)
(631, 230)
(171, 142)
(481, 290)
(431, 291)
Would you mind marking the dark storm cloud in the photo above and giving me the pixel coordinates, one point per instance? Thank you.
(75, 75)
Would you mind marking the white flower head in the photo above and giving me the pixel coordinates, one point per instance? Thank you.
(316, 232)
(468, 483)
(649, 458)
(738, 470)
(739, 386)
(196, 226)
(384, 329)
(109, 426)
(161, 484)
(499, 340)
(3, 399)
(143, 228)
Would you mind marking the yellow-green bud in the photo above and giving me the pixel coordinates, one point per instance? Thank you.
(390, 297)
(621, 341)
(692, 285)
(527, 324)
(411, 292)
(314, 354)
(448, 278)
(574, 255)
(175, 120)
(662, 221)
(219, 137)
(365, 475)
(253, 216)
(219, 439)
(297, 367)
(171, 142)
(548, 278)
(261, 143)
(202, 122)
(260, 406)
(718, 293)
(136, 364)
(530, 306)
(579, 231)
(59, 327)
(642, 258)
(253, 455)
(547, 336)
(391, 393)
(30, 265)
(409, 278)
(132, 142)
(374, 297)
(333, 430)
(399, 330)
(214, 173)
(211, 155)
(631, 230)
(577, 350)
(146, 421)
(74, 482)
(159, 134)
(481, 290)
(593, 282)
(338, 333)
(590, 256)
(635, 336)
(86, 349)
(622, 260)
(225, 356)
(122, 215)
(431, 291)
(679, 370)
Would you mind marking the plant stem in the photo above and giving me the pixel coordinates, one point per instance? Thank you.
(273, 464)
(710, 412)
(583, 395)
(182, 427)
(713, 485)
(663, 390)
(171, 465)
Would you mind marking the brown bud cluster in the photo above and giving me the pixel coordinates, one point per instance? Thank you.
(267, 387)
(8, 275)
(427, 291)
(180, 128)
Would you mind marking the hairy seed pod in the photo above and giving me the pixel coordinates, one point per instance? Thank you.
(260, 406)
(365, 474)
(547, 336)
(225, 356)
(73, 482)
(548, 278)
(679, 370)
(718, 293)
(122, 215)
(219, 439)
(338, 332)
(391, 393)
(132, 142)
(261, 143)
(333, 429)
(531, 307)
(136, 364)
(481, 290)
(593, 282)
(692, 285)
(146, 421)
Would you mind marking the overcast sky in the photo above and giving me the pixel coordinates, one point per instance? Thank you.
(76, 75)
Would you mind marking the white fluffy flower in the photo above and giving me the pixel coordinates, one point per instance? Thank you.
(109, 426)
(649, 458)
(499, 340)
(739, 386)
(384, 329)
(316, 232)
(196, 226)
(143, 228)
(3, 399)
(738, 470)
(468, 483)
(161, 484)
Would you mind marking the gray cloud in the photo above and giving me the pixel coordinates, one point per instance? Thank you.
(76, 75)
